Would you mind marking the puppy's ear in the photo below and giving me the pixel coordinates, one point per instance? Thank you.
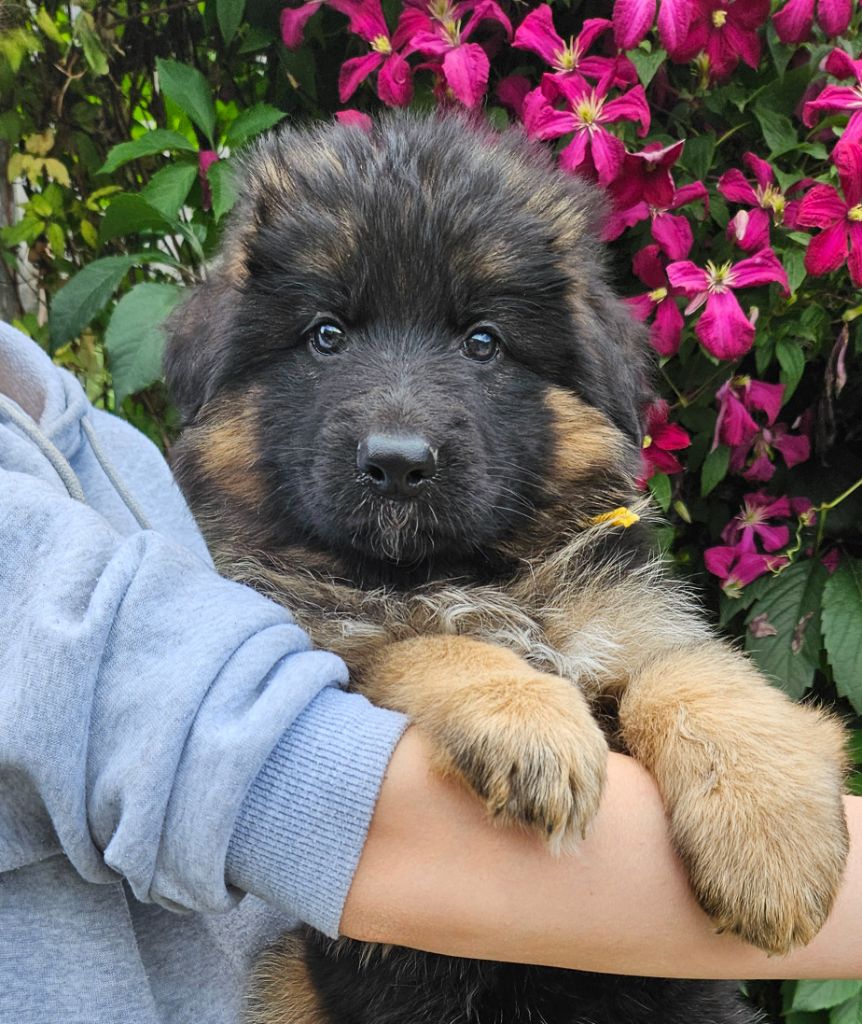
(619, 356)
(198, 343)
(622, 346)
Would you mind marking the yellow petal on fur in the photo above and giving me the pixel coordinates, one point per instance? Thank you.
(621, 516)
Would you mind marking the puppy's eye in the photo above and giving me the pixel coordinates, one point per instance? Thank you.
(326, 338)
(481, 345)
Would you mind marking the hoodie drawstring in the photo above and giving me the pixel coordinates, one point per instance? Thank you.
(61, 464)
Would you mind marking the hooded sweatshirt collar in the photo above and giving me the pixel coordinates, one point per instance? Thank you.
(50, 396)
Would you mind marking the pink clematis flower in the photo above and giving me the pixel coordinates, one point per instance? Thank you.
(750, 228)
(634, 18)
(293, 20)
(512, 91)
(354, 119)
(738, 398)
(206, 158)
(725, 31)
(394, 79)
(440, 33)
(661, 440)
(751, 525)
(724, 330)
(759, 453)
(737, 568)
(645, 188)
(839, 99)
(537, 34)
(841, 219)
(646, 177)
(793, 23)
(831, 560)
(666, 328)
(593, 151)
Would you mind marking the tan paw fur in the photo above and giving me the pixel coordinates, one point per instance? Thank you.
(524, 741)
(753, 786)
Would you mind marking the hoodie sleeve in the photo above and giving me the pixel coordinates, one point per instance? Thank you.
(154, 716)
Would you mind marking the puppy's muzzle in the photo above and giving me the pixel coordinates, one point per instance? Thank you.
(396, 465)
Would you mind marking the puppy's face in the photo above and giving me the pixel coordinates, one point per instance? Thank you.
(408, 351)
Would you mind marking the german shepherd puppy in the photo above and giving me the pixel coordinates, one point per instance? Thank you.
(412, 408)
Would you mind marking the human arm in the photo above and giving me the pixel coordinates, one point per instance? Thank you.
(436, 875)
(141, 699)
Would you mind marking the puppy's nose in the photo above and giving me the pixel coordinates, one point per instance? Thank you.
(396, 465)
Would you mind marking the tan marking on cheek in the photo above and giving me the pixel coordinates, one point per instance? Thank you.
(228, 454)
(585, 441)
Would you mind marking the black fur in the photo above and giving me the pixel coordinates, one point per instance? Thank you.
(409, 236)
(398, 986)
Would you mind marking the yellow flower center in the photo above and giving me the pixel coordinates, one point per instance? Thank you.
(658, 295)
(855, 212)
(719, 277)
(751, 516)
(567, 58)
(772, 199)
(589, 109)
(440, 10)
(719, 18)
(647, 441)
(452, 29)
(382, 45)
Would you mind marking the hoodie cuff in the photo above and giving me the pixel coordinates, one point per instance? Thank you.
(303, 823)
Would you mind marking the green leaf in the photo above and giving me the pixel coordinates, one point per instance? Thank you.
(256, 38)
(187, 87)
(251, 122)
(94, 52)
(847, 1013)
(168, 188)
(57, 239)
(11, 126)
(156, 141)
(86, 294)
(646, 64)
(134, 339)
(129, 214)
(44, 21)
(794, 264)
(26, 230)
(783, 626)
(498, 118)
(780, 53)
(791, 359)
(778, 130)
(299, 68)
(660, 487)
(221, 178)
(842, 629)
(714, 469)
(820, 995)
(697, 155)
(229, 14)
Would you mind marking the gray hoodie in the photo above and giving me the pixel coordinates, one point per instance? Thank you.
(168, 739)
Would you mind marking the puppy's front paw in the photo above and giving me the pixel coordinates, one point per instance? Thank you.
(765, 864)
(528, 745)
(753, 785)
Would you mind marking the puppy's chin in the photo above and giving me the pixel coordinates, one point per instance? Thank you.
(398, 532)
